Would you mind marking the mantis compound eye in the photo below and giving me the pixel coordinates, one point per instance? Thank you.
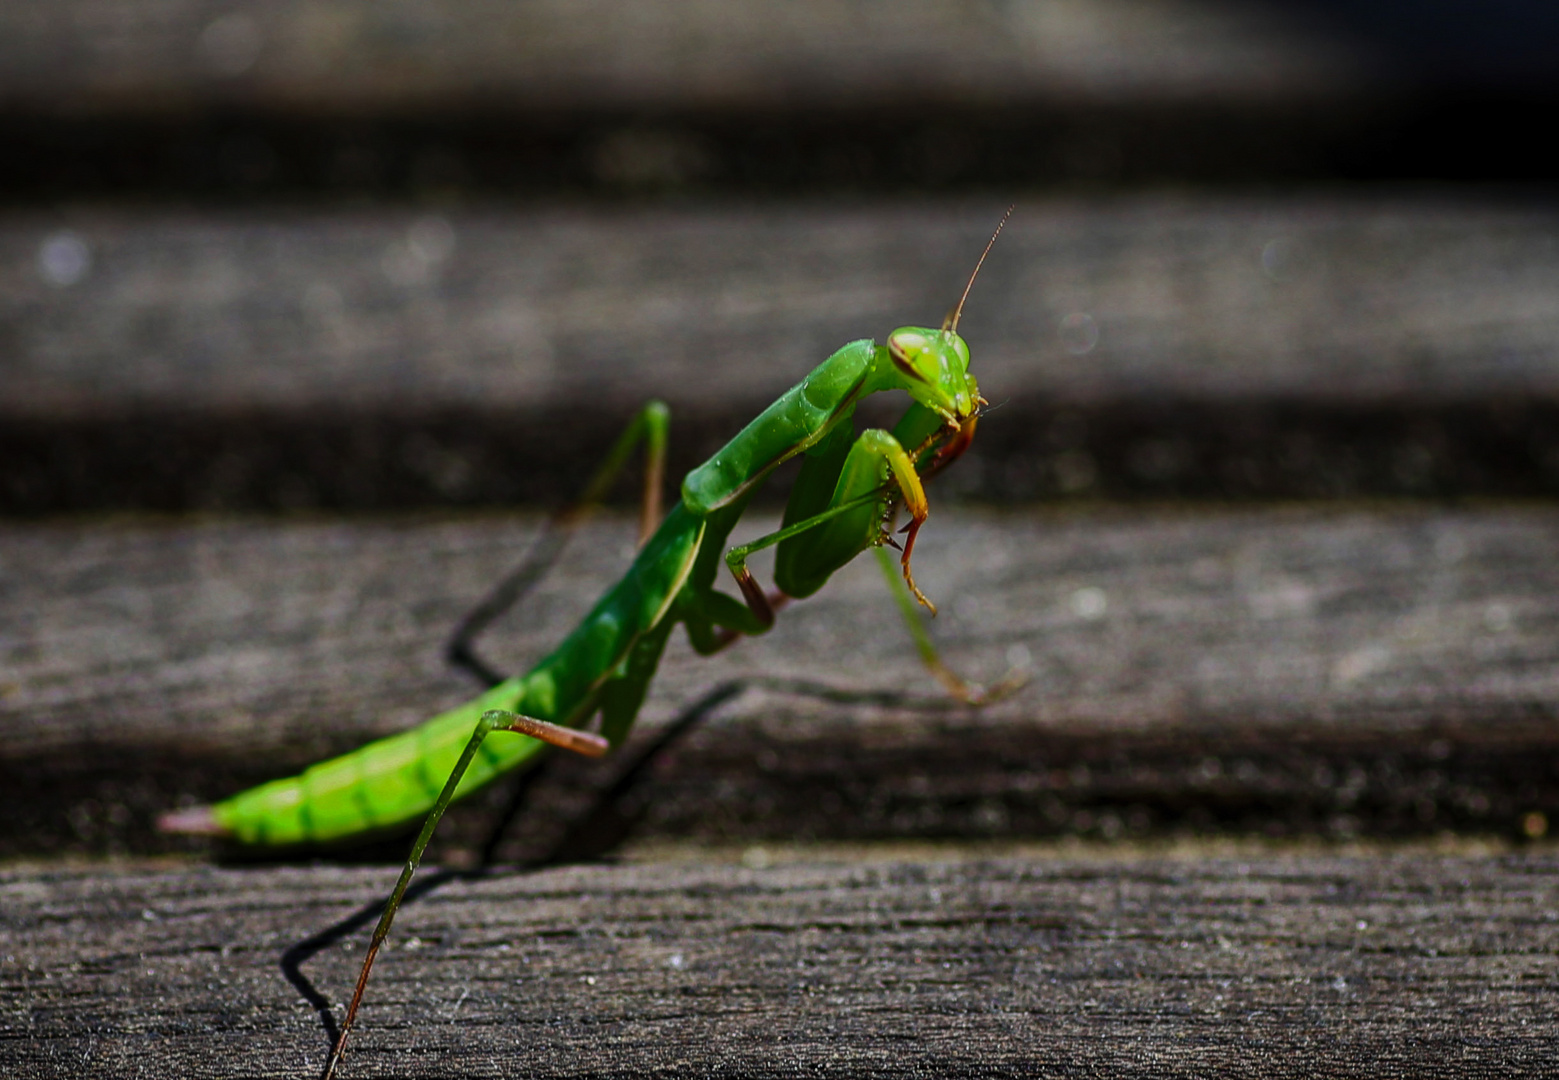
(904, 346)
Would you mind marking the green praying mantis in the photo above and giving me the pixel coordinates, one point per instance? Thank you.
(846, 499)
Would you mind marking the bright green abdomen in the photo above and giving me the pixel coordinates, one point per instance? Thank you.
(397, 779)
(382, 784)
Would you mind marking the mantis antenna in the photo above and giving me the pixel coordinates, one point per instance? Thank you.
(952, 320)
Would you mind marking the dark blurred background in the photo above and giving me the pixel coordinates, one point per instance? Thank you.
(234, 102)
(291, 255)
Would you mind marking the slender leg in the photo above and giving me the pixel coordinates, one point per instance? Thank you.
(567, 738)
(651, 426)
(957, 686)
(614, 813)
(736, 557)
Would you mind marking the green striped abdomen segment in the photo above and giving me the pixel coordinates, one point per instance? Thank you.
(385, 783)
(399, 778)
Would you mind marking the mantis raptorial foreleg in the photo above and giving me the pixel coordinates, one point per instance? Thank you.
(905, 595)
(810, 548)
(874, 461)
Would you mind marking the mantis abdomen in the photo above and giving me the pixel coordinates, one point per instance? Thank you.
(382, 784)
(399, 778)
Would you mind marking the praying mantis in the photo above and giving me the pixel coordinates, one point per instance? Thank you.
(845, 500)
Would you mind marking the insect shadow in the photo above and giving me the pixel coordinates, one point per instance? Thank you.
(597, 832)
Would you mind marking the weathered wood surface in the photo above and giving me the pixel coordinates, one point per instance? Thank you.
(1306, 966)
(359, 57)
(1333, 671)
(1343, 672)
(206, 99)
(1138, 346)
(370, 99)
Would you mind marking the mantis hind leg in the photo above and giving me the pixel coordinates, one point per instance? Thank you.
(651, 426)
(495, 720)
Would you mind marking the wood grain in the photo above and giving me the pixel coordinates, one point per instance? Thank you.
(360, 100)
(366, 58)
(1334, 671)
(1298, 761)
(1304, 966)
(1145, 346)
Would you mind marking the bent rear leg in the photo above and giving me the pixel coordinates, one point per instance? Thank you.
(652, 427)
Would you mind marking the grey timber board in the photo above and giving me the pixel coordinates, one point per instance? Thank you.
(1337, 672)
(226, 101)
(355, 56)
(1156, 346)
(172, 99)
(230, 100)
(1307, 966)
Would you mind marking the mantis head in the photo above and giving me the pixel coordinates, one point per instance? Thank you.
(935, 363)
(935, 368)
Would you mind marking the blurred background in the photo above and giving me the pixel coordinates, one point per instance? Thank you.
(1277, 316)
(374, 255)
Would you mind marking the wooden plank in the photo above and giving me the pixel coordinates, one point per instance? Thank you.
(230, 100)
(1137, 346)
(1305, 966)
(1346, 671)
(368, 100)
(365, 99)
(359, 57)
